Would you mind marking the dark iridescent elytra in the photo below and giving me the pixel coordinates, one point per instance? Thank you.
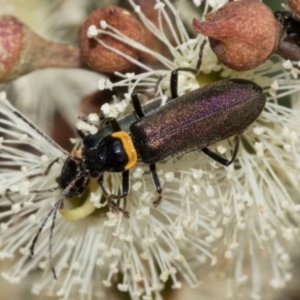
(197, 119)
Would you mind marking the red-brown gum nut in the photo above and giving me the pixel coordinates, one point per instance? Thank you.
(10, 43)
(96, 56)
(242, 34)
(295, 6)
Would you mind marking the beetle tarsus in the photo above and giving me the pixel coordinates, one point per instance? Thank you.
(115, 208)
(157, 201)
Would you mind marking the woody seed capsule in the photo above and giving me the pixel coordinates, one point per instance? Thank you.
(22, 51)
(95, 55)
(243, 34)
(295, 6)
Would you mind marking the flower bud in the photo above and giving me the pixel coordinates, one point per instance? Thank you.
(95, 55)
(243, 34)
(295, 6)
(22, 51)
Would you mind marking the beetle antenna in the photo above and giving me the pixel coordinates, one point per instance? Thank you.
(41, 228)
(40, 132)
(50, 245)
(57, 206)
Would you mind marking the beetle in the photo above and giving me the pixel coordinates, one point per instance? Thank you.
(70, 180)
(290, 24)
(192, 121)
(186, 123)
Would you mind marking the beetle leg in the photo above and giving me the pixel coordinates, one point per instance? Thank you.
(113, 123)
(125, 182)
(137, 105)
(156, 183)
(174, 74)
(50, 244)
(114, 207)
(46, 171)
(174, 80)
(80, 133)
(100, 182)
(223, 161)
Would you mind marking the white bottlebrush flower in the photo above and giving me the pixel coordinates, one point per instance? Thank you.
(147, 249)
(247, 204)
(233, 220)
